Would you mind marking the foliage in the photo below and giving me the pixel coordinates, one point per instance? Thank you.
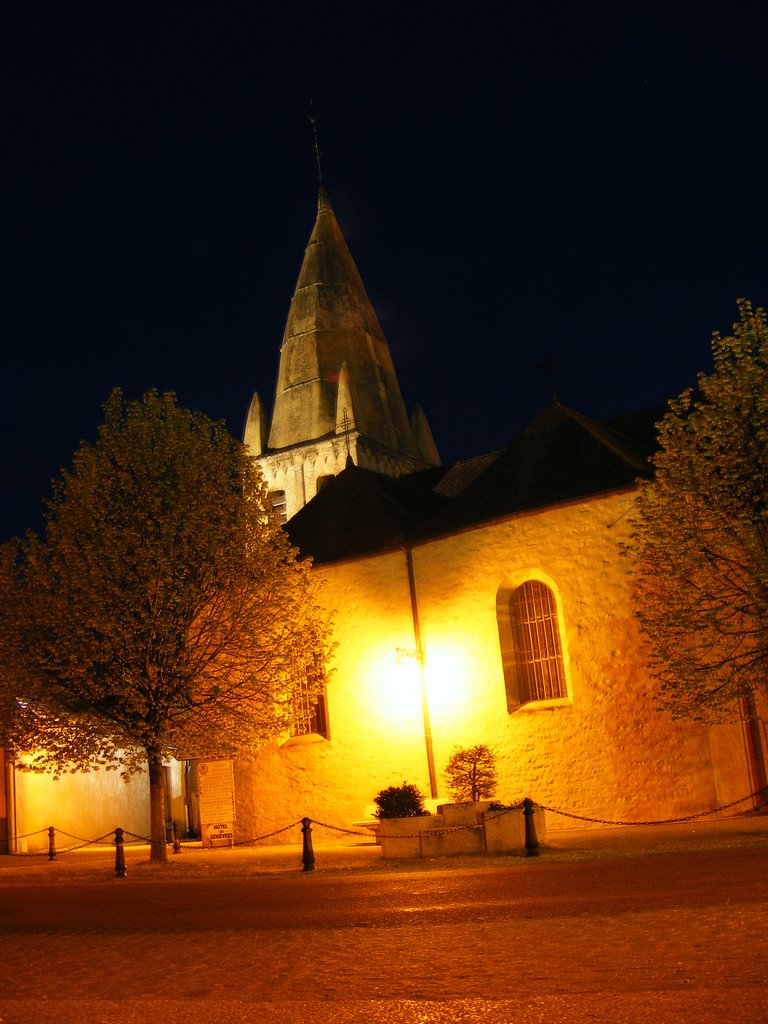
(400, 802)
(700, 540)
(162, 613)
(471, 773)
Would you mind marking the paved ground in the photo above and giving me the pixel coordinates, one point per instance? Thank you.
(579, 934)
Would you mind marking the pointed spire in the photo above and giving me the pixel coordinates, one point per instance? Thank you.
(255, 432)
(422, 434)
(331, 322)
(345, 410)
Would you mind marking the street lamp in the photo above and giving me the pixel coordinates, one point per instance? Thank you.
(416, 655)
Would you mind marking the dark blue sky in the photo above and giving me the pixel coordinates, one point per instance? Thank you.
(515, 180)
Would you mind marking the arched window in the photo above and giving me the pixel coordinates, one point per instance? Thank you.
(536, 640)
(311, 718)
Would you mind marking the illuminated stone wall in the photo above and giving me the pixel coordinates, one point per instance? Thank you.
(84, 804)
(607, 753)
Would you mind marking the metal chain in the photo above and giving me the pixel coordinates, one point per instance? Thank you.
(338, 828)
(454, 828)
(277, 832)
(26, 835)
(660, 821)
(141, 839)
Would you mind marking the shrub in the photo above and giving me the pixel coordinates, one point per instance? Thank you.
(471, 773)
(400, 802)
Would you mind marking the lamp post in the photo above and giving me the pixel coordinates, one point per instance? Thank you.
(418, 654)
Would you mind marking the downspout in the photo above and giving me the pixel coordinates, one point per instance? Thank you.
(422, 677)
(755, 753)
(9, 774)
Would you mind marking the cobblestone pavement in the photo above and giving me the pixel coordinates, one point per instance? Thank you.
(697, 958)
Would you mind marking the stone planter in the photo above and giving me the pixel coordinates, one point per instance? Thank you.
(459, 829)
(400, 837)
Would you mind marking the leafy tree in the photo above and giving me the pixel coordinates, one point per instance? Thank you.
(163, 611)
(471, 773)
(403, 801)
(700, 541)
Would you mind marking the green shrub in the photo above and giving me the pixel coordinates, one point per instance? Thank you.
(400, 802)
(471, 773)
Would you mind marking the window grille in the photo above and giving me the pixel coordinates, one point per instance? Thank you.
(536, 638)
(310, 717)
(278, 506)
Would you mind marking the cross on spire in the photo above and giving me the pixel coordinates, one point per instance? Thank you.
(313, 119)
(548, 364)
(346, 427)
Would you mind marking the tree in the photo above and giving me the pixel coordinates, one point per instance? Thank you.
(700, 541)
(471, 773)
(163, 612)
(403, 801)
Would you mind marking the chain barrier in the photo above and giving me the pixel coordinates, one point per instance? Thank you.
(659, 821)
(268, 835)
(491, 813)
(141, 839)
(338, 828)
(28, 834)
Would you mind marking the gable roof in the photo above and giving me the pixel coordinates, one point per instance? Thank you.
(359, 512)
(562, 456)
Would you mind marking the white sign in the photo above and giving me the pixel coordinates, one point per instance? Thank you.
(216, 785)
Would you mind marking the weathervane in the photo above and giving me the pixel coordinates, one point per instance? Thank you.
(313, 118)
(548, 364)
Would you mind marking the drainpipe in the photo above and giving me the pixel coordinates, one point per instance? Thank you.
(9, 770)
(422, 678)
(755, 753)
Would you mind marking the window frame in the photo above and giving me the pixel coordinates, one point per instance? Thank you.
(311, 723)
(519, 695)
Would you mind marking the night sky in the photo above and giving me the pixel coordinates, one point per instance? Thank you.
(518, 182)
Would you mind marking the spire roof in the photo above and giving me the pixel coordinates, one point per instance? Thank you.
(331, 322)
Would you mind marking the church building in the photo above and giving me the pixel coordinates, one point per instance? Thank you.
(482, 602)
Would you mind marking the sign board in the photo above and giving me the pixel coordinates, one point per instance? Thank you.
(216, 783)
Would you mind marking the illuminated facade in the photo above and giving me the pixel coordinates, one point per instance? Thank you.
(484, 602)
(493, 617)
(481, 602)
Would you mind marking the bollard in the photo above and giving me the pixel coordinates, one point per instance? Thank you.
(176, 843)
(119, 854)
(308, 854)
(531, 842)
(51, 843)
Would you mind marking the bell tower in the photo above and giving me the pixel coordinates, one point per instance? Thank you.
(337, 394)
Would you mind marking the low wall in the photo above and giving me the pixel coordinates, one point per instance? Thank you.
(460, 829)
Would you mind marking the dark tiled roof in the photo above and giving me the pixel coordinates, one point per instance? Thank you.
(358, 512)
(453, 479)
(562, 456)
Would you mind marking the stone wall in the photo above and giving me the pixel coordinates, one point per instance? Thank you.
(607, 752)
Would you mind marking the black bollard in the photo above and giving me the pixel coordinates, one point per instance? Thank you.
(51, 843)
(176, 843)
(308, 854)
(119, 854)
(531, 842)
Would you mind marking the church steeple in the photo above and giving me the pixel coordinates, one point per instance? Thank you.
(331, 322)
(334, 354)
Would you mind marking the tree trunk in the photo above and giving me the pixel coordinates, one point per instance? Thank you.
(159, 848)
